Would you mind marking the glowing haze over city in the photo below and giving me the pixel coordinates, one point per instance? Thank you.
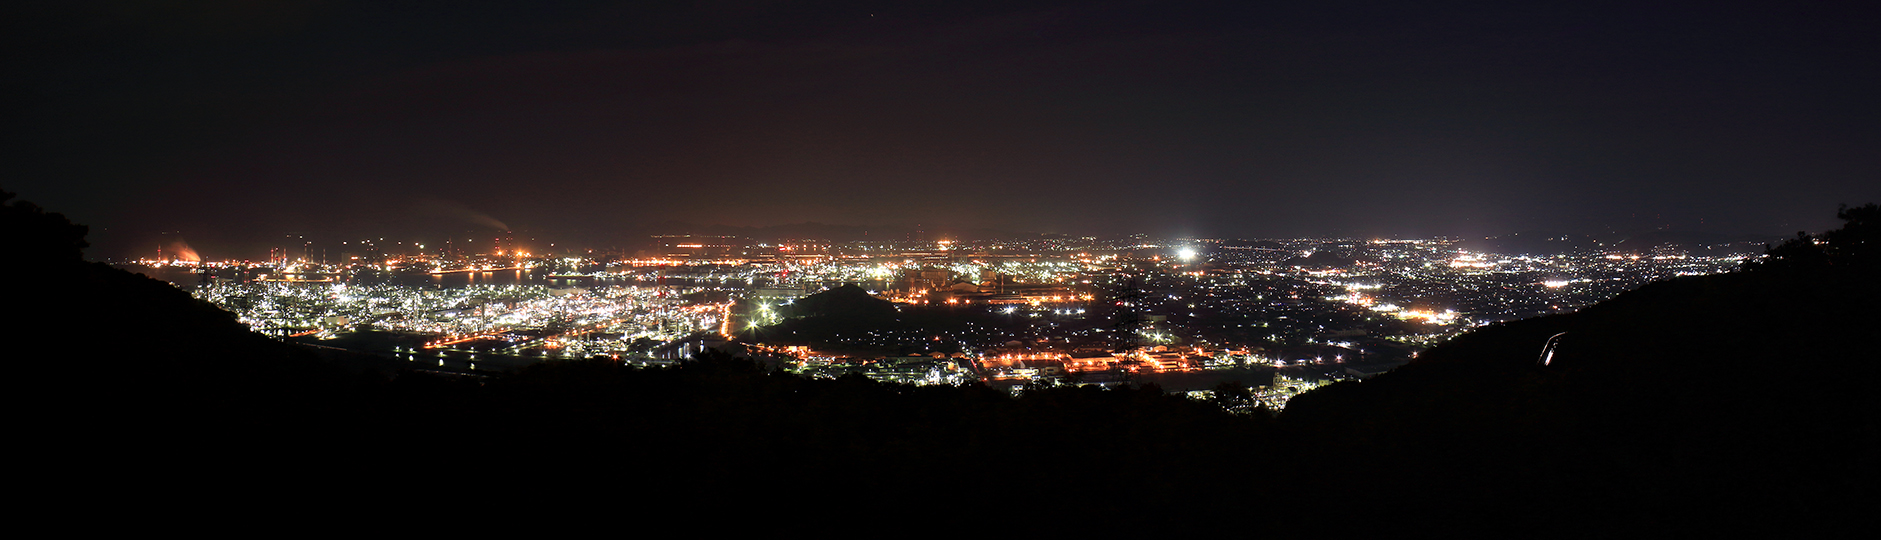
(1092, 187)
(1053, 268)
(596, 124)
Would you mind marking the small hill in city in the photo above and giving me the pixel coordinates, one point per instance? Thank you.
(839, 319)
(845, 303)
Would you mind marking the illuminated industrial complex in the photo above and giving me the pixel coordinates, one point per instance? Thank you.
(1280, 315)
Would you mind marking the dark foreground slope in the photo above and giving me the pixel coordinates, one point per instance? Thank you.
(91, 341)
(1745, 400)
(1725, 402)
(159, 410)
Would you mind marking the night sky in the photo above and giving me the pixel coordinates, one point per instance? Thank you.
(231, 123)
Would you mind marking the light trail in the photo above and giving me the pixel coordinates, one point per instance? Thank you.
(454, 341)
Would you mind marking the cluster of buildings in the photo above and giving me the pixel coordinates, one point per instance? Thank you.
(514, 320)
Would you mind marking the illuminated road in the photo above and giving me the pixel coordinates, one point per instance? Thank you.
(473, 270)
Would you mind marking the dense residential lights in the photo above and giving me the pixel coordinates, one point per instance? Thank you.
(995, 311)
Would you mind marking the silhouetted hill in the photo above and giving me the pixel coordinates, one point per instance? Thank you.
(845, 303)
(838, 319)
(125, 351)
(1739, 404)
(822, 318)
(854, 453)
(1728, 401)
(151, 390)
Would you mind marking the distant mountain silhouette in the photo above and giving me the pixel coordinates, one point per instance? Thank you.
(1694, 242)
(1530, 242)
(1324, 259)
(1553, 243)
(1251, 244)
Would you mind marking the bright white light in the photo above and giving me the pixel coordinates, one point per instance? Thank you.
(1186, 253)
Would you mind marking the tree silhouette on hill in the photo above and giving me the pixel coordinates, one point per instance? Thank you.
(131, 345)
(1851, 246)
(37, 238)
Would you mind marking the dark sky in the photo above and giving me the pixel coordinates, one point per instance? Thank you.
(233, 122)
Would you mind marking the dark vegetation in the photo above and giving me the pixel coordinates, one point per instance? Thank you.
(844, 318)
(1734, 403)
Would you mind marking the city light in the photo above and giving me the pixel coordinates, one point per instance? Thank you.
(1062, 309)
